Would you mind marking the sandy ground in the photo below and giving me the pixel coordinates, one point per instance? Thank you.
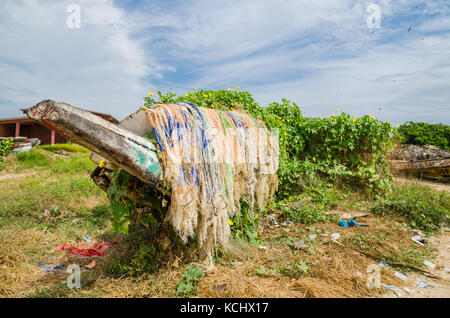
(439, 288)
(435, 185)
(26, 173)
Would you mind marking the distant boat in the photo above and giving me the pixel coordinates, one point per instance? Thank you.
(22, 144)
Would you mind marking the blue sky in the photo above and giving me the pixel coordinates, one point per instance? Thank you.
(320, 54)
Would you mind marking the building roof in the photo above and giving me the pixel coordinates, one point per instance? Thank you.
(13, 120)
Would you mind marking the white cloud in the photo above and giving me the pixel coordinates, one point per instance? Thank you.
(101, 65)
(319, 53)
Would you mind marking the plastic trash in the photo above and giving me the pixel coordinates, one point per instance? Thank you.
(91, 264)
(312, 236)
(350, 223)
(262, 248)
(429, 264)
(418, 239)
(335, 236)
(272, 220)
(299, 245)
(49, 268)
(394, 289)
(46, 213)
(87, 238)
(409, 291)
(94, 251)
(287, 223)
(401, 276)
(383, 264)
(422, 284)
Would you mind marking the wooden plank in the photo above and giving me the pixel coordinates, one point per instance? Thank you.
(131, 152)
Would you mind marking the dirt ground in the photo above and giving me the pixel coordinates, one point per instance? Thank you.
(439, 288)
(25, 173)
(435, 185)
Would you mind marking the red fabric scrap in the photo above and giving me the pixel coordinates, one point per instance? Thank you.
(94, 251)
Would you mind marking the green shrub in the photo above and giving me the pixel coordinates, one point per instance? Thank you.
(422, 207)
(244, 225)
(339, 148)
(146, 260)
(191, 278)
(6, 146)
(419, 133)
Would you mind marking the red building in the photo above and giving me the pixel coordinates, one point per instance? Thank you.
(26, 127)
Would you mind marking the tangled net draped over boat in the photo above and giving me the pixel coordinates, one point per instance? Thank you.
(212, 159)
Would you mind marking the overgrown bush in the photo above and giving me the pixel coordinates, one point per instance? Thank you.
(6, 146)
(338, 147)
(422, 207)
(418, 133)
(191, 277)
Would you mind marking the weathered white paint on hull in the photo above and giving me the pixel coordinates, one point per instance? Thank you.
(121, 147)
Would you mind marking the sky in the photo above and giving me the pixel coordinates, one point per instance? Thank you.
(386, 58)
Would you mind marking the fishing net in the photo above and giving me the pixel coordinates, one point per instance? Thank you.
(212, 159)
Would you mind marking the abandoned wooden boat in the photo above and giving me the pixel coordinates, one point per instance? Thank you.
(198, 163)
(121, 147)
(430, 168)
(22, 144)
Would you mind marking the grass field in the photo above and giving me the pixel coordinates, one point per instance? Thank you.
(270, 267)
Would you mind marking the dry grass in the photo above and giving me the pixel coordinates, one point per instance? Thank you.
(333, 270)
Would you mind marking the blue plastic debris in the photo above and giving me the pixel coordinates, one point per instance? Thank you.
(394, 289)
(273, 220)
(87, 238)
(342, 223)
(47, 268)
(383, 264)
(422, 283)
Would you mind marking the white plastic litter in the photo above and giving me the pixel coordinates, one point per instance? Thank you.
(409, 291)
(422, 283)
(299, 245)
(417, 238)
(429, 264)
(383, 264)
(401, 276)
(335, 236)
